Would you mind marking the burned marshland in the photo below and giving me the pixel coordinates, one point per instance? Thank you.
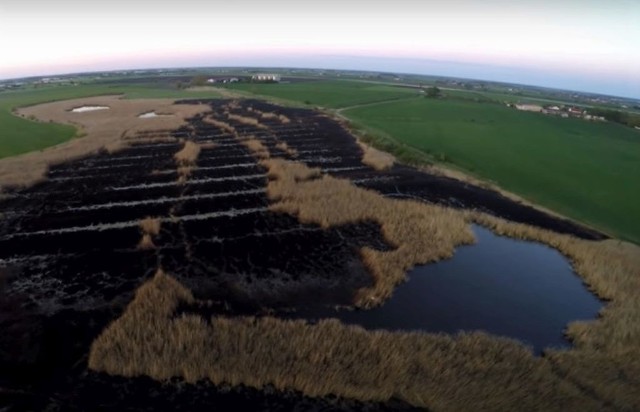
(181, 253)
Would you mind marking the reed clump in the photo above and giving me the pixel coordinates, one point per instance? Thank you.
(251, 121)
(232, 105)
(150, 227)
(208, 145)
(224, 126)
(186, 160)
(189, 153)
(255, 146)
(284, 119)
(418, 232)
(269, 115)
(146, 242)
(375, 158)
(467, 371)
(287, 149)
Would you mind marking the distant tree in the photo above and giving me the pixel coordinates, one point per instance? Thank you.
(433, 92)
(199, 80)
(617, 116)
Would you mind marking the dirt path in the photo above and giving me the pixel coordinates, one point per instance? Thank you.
(395, 99)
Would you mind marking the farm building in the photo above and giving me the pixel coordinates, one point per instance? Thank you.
(223, 80)
(574, 111)
(266, 77)
(529, 107)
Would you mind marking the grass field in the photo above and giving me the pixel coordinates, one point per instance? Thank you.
(587, 171)
(19, 135)
(583, 170)
(497, 97)
(333, 94)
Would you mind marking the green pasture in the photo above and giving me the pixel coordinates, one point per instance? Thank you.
(587, 171)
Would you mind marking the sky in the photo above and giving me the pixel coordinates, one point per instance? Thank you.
(585, 45)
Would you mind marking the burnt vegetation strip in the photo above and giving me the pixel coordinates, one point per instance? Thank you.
(328, 140)
(229, 207)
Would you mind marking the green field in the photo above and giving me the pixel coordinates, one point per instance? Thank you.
(498, 97)
(19, 135)
(588, 171)
(332, 94)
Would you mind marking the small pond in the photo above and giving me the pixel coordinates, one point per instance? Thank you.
(150, 115)
(83, 109)
(506, 287)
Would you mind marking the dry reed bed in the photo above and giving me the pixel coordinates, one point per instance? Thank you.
(418, 232)
(102, 129)
(437, 371)
(606, 359)
(375, 158)
(468, 371)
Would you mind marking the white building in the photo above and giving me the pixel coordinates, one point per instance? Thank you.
(266, 77)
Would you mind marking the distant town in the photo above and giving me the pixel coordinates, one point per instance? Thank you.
(562, 111)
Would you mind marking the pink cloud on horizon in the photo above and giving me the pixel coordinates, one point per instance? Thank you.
(569, 37)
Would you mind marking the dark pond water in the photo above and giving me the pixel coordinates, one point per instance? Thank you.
(507, 287)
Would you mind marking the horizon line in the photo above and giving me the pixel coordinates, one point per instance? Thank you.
(276, 67)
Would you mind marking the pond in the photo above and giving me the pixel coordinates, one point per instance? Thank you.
(83, 109)
(506, 287)
(150, 115)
